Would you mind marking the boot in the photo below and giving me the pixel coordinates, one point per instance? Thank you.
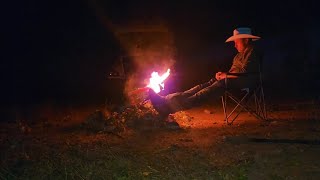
(159, 103)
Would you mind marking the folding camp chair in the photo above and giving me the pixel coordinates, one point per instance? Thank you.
(241, 100)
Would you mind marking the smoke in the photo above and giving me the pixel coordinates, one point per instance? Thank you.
(143, 67)
(148, 48)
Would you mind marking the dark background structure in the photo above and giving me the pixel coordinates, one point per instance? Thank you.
(61, 51)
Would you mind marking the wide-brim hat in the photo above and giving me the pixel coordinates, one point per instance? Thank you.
(243, 32)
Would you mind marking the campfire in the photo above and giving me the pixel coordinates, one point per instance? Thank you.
(157, 82)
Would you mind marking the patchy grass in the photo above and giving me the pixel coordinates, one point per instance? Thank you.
(144, 150)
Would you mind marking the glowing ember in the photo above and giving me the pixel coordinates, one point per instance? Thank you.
(156, 81)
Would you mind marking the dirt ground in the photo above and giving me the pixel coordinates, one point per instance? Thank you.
(205, 147)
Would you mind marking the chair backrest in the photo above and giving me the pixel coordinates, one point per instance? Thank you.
(259, 73)
(260, 67)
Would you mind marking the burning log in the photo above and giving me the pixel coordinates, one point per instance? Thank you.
(156, 83)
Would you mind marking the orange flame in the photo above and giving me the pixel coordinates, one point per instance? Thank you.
(156, 81)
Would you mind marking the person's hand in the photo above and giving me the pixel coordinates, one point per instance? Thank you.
(223, 76)
(220, 75)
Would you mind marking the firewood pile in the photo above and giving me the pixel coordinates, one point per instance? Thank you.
(127, 117)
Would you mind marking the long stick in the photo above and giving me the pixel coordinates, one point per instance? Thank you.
(137, 91)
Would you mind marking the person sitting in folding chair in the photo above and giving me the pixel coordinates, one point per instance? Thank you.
(246, 61)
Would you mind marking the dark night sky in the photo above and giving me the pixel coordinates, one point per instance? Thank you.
(62, 51)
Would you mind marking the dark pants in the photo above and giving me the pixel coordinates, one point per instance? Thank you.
(201, 92)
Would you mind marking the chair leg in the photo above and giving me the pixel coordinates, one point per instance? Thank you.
(238, 103)
(259, 110)
(223, 100)
(264, 111)
(260, 103)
